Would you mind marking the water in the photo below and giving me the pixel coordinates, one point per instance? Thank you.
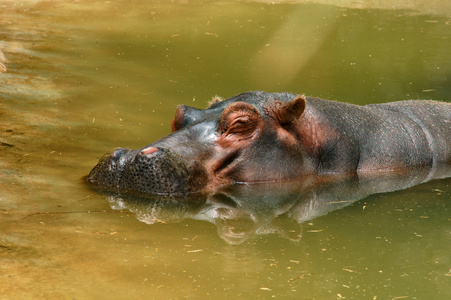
(81, 78)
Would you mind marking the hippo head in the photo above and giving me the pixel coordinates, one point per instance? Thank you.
(248, 138)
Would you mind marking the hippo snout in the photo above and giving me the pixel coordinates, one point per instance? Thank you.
(153, 170)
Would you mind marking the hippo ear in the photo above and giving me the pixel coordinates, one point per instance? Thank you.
(184, 116)
(292, 110)
(286, 113)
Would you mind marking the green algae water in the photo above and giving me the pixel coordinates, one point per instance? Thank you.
(80, 78)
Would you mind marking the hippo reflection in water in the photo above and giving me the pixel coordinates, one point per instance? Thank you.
(242, 211)
(260, 137)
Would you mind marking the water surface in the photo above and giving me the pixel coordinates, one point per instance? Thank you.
(81, 78)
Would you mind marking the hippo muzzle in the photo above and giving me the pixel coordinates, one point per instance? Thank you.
(158, 172)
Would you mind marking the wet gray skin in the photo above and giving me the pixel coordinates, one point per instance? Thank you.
(175, 167)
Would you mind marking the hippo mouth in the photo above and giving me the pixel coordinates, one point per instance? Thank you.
(159, 171)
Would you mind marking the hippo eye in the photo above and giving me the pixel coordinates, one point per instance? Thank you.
(240, 119)
(240, 125)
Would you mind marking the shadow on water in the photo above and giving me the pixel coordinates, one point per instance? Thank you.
(242, 211)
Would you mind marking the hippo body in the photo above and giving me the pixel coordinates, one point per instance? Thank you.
(271, 137)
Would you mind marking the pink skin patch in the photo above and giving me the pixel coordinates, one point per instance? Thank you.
(149, 150)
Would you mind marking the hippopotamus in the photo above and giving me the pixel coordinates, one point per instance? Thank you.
(258, 137)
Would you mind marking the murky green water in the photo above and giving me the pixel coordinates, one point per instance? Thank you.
(80, 78)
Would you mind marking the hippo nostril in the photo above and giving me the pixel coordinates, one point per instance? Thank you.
(118, 153)
(149, 150)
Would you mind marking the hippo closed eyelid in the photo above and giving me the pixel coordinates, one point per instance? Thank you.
(239, 117)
